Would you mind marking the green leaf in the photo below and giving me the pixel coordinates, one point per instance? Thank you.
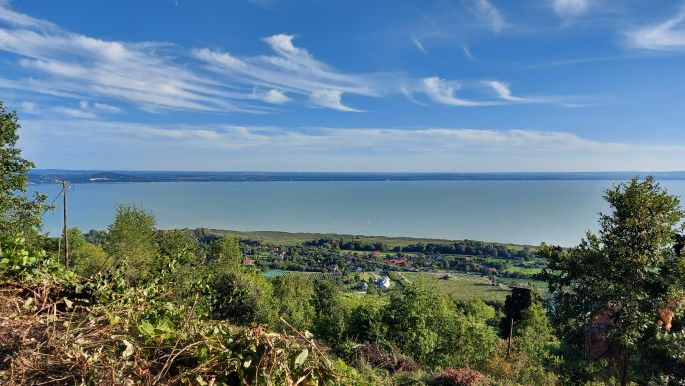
(301, 357)
(146, 328)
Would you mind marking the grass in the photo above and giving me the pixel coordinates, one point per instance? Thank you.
(510, 267)
(461, 286)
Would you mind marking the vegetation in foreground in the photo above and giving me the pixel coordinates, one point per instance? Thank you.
(143, 306)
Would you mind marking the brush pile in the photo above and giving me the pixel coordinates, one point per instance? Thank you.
(56, 328)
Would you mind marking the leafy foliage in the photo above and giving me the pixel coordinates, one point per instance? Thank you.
(131, 239)
(18, 213)
(612, 287)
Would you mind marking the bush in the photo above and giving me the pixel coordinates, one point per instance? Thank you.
(242, 297)
(462, 377)
(294, 295)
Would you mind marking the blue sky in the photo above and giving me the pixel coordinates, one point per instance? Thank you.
(458, 85)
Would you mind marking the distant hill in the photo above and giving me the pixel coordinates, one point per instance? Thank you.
(108, 176)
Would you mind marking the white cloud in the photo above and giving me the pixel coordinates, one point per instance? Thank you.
(76, 113)
(64, 62)
(159, 76)
(467, 52)
(28, 107)
(272, 96)
(488, 13)
(503, 91)
(329, 149)
(292, 69)
(442, 91)
(666, 36)
(571, 8)
(418, 44)
(331, 99)
(103, 107)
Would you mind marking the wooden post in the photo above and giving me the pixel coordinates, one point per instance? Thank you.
(624, 367)
(511, 333)
(65, 188)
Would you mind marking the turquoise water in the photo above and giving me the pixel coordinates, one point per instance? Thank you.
(525, 212)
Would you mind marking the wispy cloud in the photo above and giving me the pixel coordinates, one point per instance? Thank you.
(292, 69)
(383, 149)
(418, 44)
(666, 36)
(87, 66)
(331, 99)
(488, 14)
(467, 52)
(273, 96)
(503, 91)
(443, 91)
(571, 8)
(156, 77)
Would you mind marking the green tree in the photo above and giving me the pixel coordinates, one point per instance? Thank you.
(88, 258)
(479, 310)
(366, 323)
(18, 212)
(330, 322)
(225, 253)
(294, 295)
(620, 279)
(534, 336)
(131, 241)
(242, 297)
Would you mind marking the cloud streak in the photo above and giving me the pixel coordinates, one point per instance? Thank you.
(570, 8)
(488, 14)
(665, 36)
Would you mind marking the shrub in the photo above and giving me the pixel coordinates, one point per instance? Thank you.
(242, 297)
(464, 376)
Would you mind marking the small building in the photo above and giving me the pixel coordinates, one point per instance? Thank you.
(401, 260)
(383, 282)
(363, 286)
(247, 261)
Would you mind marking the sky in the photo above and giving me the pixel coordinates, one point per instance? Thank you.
(359, 86)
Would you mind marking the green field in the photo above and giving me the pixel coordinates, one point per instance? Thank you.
(461, 286)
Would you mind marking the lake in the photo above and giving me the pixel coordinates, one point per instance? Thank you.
(522, 212)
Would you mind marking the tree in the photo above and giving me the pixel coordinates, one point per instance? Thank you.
(294, 295)
(242, 297)
(18, 213)
(225, 253)
(131, 240)
(330, 321)
(617, 282)
(88, 258)
(427, 326)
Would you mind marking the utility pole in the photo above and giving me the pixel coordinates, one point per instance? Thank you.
(511, 333)
(65, 188)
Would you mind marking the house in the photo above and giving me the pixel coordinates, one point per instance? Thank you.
(363, 286)
(248, 261)
(402, 260)
(383, 282)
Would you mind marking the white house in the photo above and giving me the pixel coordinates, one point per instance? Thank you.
(383, 282)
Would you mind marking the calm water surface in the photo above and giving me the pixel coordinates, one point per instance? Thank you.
(525, 212)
